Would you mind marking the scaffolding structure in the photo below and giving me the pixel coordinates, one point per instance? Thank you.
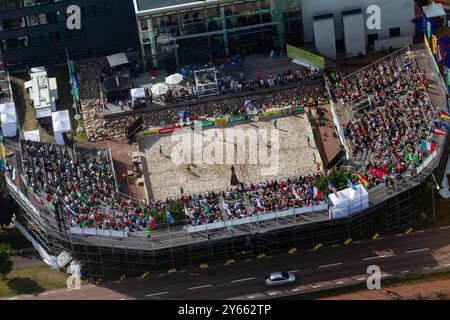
(392, 209)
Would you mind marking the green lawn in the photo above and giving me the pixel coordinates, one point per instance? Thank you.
(32, 280)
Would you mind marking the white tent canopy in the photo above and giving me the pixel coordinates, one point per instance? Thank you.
(434, 10)
(8, 118)
(61, 124)
(349, 201)
(175, 78)
(159, 89)
(117, 59)
(137, 93)
(33, 135)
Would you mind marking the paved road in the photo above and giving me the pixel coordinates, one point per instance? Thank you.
(327, 266)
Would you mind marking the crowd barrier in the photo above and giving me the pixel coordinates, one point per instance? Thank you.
(257, 218)
(225, 120)
(98, 232)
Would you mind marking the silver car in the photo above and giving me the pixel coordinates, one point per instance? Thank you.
(279, 278)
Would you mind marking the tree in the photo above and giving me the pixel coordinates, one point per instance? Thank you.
(337, 177)
(5, 261)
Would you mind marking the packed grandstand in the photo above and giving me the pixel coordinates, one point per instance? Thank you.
(391, 128)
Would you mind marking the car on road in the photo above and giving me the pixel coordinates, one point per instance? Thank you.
(279, 278)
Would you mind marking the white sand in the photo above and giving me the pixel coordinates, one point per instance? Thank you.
(295, 158)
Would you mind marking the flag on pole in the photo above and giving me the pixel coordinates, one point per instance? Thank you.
(428, 146)
(188, 213)
(169, 216)
(3, 165)
(364, 180)
(332, 188)
(14, 176)
(181, 190)
(317, 193)
(151, 221)
(351, 185)
(259, 204)
(206, 207)
(439, 132)
(445, 115)
(226, 207)
(295, 193)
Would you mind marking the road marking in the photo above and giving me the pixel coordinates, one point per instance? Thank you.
(418, 250)
(317, 286)
(200, 287)
(330, 265)
(420, 231)
(251, 297)
(156, 294)
(406, 271)
(294, 271)
(340, 282)
(446, 227)
(122, 299)
(15, 298)
(426, 268)
(361, 279)
(247, 260)
(357, 242)
(42, 294)
(161, 274)
(335, 246)
(241, 280)
(295, 290)
(272, 293)
(376, 257)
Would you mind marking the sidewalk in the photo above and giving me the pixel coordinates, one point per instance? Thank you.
(434, 290)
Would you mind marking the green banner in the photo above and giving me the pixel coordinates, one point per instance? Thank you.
(299, 109)
(237, 118)
(207, 123)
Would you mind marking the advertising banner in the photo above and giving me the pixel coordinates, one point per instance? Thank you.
(220, 121)
(306, 57)
(207, 123)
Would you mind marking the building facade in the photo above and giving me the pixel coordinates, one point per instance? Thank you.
(178, 32)
(34, 32)
(189, 31)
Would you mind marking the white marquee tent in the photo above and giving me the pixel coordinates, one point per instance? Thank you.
(117, 59)
(61, 124)
(8, 118)
(434, 10)
(349, 201)
(137, 93)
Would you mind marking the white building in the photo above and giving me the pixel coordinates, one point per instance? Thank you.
(349, 18)
(43, 92)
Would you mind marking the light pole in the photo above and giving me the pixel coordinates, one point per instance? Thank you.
(432, 195)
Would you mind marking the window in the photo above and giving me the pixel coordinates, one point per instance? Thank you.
(371, 38)
(394, 32)
(103, 9)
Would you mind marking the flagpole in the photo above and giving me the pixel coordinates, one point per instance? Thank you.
(77, 117)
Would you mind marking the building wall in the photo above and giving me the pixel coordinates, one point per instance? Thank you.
(394, 13)
(102, 34)
(325, 37)
(355, 39)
